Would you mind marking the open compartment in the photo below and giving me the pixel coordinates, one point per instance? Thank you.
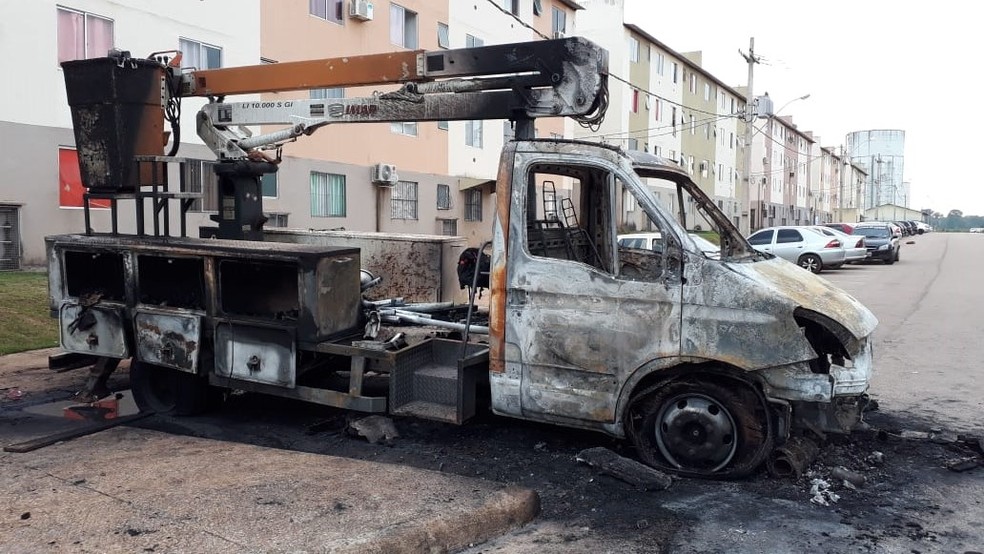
(95, 272)
(265, 290)
(171, 282)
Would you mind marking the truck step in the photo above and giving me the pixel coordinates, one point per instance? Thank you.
(437, 384)
(428, 410)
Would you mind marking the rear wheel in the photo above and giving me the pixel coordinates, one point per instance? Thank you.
(811, 263)
(701, 428)
(168, 391)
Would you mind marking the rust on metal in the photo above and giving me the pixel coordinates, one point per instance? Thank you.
(346, 71)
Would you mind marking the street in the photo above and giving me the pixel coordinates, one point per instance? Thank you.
(928, 377)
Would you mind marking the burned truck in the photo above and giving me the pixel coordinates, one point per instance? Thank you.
(710, 363)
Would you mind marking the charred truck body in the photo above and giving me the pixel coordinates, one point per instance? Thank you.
(707, 362)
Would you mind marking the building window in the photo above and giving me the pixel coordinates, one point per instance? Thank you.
(329, 10)
(559, 23)
(473, 204)
(635, 101)
(693, 125)
(403, 27)
(472, 41)
(276, 219)
(537, 7)
(633, 49)
(720, 174)
(676, 72)
(327, 93)
(403, 202)
(443, 197)
(449, 227)
(268, 184)
(442, 125)
(83, 35)
(443, 35)
(707, 92)
(199, 55)
(327, 195)
(673, 113)
(473, 133)
(660, 63)
(408, 128)
(200, 177)
(633, 144)
(693, 83)
(511, 6)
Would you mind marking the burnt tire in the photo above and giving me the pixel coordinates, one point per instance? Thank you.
(701, 429)
(168, 391)
(810, 262)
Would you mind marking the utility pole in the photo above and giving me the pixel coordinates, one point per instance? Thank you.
(747, 224)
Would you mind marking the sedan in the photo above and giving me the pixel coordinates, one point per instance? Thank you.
(811, 250)
(854, 247)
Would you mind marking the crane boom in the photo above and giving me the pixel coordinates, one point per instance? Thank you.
(521, 81)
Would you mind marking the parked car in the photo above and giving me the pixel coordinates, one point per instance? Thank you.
(882, 242)
(709, 249)
(845, 228)
(806, 247)
(923, 227)
(641, 241)
(854, 247)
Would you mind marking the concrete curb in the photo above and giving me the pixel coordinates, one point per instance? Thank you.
(507, 509)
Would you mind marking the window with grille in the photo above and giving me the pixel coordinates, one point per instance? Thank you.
(9, 238)
(200, 177)
(83, 35)
(327, 195)
(443, 35)
(403, 202)
(449, 227)
(199, 55)
(443, 197)
(403, 26)
(329, 10)
(276, 219)
(473, 133)
(473, 205)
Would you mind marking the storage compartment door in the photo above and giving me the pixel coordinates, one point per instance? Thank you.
(170, 340)
(94, 330)
(253, 353)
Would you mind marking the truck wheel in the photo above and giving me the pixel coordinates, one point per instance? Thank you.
(702, 429)
(168, 391)
(810, 262)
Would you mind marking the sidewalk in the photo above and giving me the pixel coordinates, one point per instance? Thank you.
(136, 490)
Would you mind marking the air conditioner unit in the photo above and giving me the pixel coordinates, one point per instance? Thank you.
(361, 10)
(559, 34)
(384, 174)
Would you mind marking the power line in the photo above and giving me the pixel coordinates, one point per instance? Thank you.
(667, 100)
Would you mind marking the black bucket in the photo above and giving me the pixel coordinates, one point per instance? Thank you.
(118, 113)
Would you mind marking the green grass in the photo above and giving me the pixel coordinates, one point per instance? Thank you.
(709, 235)
(25, 323)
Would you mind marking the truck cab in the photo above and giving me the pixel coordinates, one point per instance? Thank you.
(706, 363)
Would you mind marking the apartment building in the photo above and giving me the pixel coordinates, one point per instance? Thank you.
(780, 174)
(40, 187)
(663, 102)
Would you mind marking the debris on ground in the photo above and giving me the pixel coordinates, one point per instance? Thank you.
(821, 494)
(625, 469)
(964, 464)
(14, 394)
(848, 477)
(375, 429)
(876, 458)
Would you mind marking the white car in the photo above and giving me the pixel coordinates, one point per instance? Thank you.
(640, 241)
(854, 247)
(805, 247)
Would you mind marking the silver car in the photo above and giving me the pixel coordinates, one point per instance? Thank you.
(810, 249)
(855, 249)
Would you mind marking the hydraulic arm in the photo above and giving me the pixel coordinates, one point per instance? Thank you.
(519, 82)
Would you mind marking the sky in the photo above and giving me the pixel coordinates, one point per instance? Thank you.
(866, 64)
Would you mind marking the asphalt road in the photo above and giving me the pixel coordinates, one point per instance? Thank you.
(928, 348)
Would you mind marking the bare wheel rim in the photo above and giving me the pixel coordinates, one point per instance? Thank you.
(695, 432)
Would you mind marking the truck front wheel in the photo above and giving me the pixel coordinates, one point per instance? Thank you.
(168, 391)
(701, 429)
